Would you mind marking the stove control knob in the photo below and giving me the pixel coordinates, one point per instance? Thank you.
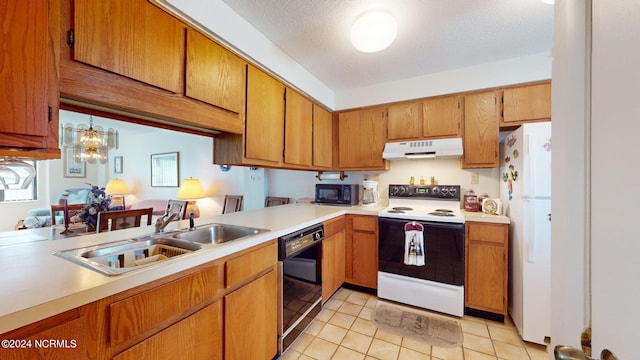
(445, 191)
(436, 190)
(453, 191)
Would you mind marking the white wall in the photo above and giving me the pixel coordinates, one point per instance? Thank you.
(615, 268)
(569, 183)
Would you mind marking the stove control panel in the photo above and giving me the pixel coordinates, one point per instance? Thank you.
(441, 192)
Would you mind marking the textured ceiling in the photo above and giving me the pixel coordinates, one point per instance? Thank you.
(433, 35)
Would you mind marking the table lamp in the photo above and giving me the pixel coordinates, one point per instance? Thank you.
(117, 187)
(190, 190)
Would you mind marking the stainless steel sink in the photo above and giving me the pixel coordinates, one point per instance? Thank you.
(123, 256)
(218, 233)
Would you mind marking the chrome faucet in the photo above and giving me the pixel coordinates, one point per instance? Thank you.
(192, 224)
(162, 222)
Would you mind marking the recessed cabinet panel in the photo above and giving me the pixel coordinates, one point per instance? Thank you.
(24, 68)
(526, 103)
(322, 138)
(264, 129)
(298, 141)
(405, 121)
(481, 130)
(131, 38)
(441, 117)
(214, 74)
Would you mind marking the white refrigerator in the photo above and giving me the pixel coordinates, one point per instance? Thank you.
(525, 193)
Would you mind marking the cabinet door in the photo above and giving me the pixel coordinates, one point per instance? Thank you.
(24, 68)
(298, 141)
(322, 137)
(441, 117)
(484, 286)
(404, 121)
(481, 130)
(250, 325)
(527, 103)
(486, 268)
(214, 74)
(333, 264)
(264, 129)
(197, 337)
(362, 138)
(365, 259)
(132, 38)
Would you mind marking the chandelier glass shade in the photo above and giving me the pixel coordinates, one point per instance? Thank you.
(91, 144)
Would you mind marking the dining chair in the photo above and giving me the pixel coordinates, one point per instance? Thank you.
(72, 208)
(232, 203)
(275, 201)
(122, 219)
(177, 206)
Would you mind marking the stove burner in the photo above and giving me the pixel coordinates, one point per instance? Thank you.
(443, 210)
(396, 211)
(441, 213)
(401, 208)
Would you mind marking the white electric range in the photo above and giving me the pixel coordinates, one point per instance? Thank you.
(421, 248)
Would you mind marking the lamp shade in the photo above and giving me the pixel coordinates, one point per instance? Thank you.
(373, 31)
(191, 189)
(116, 187)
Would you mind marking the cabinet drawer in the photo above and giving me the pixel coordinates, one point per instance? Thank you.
(136, 314)
(245, 266)
(495, 233)
(365, 223)
(333, 226)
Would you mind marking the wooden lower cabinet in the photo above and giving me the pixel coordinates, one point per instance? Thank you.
(188, 315)
(486, 271)
(250, 325)
(70, 335)
(362, 250)
(199, 336)
(333, 257)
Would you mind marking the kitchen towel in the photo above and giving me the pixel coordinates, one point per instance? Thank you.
(414, 244)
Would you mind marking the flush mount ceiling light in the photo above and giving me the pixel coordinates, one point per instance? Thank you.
(373, 31)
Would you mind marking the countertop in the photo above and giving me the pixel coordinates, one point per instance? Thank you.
(482, 217)
(37, 284)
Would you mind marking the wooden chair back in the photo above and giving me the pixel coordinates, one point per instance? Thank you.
(122, 219)
(232, 203)
(275, 201)
(72, 208)
(178, 206)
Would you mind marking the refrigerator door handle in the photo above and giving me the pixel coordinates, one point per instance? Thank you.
(531, 231)
(529, 160)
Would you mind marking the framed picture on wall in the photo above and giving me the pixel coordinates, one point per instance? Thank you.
(117, 165)
(164, 169)
(73, 169)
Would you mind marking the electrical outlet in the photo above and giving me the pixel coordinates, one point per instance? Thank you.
(474, 178)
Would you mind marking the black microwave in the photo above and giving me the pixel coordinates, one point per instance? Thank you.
(337, 194)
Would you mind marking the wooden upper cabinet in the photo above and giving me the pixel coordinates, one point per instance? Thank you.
(131, 38)
(481, 130)
(24, 67)
(28, 71)
(214, 74)
(442, 117)
(362, 138)
(404, 121)
(264, 125)
(527, 103)
(298, 141)
(322, 137)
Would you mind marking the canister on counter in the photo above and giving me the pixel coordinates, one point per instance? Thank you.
(471, 202)
(480, 199)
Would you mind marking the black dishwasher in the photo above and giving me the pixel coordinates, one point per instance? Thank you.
(300, 300)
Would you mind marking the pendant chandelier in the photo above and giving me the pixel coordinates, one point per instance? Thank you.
(91, 144)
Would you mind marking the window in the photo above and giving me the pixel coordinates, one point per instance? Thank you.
(14, 195)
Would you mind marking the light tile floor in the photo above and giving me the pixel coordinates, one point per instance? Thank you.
(343, 330)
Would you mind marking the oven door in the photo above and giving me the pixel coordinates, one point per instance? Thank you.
(443, 250)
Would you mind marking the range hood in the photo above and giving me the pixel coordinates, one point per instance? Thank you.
(424, 149)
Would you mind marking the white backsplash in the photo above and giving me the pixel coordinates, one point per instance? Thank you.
(301, 184)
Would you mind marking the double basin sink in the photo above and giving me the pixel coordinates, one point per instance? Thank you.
(119, 257)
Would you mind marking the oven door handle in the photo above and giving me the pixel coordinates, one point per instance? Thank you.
(432, 224)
